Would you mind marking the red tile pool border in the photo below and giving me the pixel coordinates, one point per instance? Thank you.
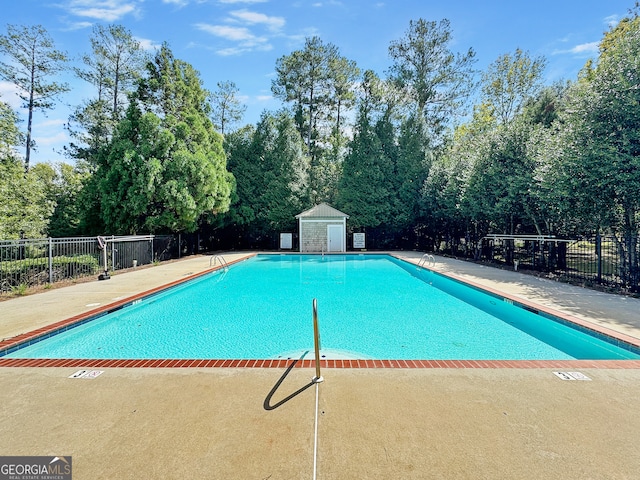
(282, 363)
(285, 363)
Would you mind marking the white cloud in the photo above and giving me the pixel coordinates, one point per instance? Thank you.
(611, 21)
(56, 140)
(56, 122)
(252, 18)
(264, 98)
(232, 51)
(106, 10)
(78, 26)
(227, 52)
(583, 50)
(236, 34)
(8, 95)
(242, 1)
(147, 45)
(248, 30)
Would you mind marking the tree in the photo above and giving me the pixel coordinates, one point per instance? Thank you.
(432, 77)
(343, 76)
(165, 167)
(227, 109)
(502, 179)
(301, 78)
(10, 135)
(115, 63)
(63, 184)
(449, 209)
(24, 210)
(33, 63)
(594, 159)
(271, 170)
(318, 82)
(411, 170)
(366, 186)
(510, 81)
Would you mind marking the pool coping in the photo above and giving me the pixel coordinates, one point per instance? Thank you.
(11, 344)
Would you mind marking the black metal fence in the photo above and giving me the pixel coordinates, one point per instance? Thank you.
(26, 263)
(604, 260)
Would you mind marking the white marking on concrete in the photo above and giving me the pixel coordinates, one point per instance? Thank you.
(87, 374)
(571, 376)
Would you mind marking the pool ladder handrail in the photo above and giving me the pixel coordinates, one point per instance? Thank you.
(218, 258)
(316, 343)
(427, 260)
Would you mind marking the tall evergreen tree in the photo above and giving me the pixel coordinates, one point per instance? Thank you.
(165, 167)
(365, 190)
(115, 63)
(434, 79)
(33, 62)
(271, 170)
(318, 83)
(411, 169)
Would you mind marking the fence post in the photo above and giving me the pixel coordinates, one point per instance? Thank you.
(599, 256)
(50, 260)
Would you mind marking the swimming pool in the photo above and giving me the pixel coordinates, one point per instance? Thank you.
(370, 306)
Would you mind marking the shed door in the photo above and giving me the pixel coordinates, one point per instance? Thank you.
(335, 238)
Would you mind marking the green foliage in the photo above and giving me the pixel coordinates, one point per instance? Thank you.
(271, 172)
(10, 135)
(593, 157)
(18, 275)
(19, 290)
(24, 209)
(320, 84)
(412, 166)
(115, 63)
(63, 185)
(165, 166)
(366, 187)
(510, 81)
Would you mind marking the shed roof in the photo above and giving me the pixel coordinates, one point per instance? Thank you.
(322, 210)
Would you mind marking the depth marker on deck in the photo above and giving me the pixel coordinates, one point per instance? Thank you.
(87, 374)
(571, 376)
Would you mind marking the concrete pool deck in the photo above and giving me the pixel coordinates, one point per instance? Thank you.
(373, 423)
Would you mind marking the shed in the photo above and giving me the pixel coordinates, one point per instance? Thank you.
(322, 229)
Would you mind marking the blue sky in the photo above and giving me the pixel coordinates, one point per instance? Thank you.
(240, 40)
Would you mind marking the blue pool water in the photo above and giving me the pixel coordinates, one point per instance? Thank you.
(369, 306)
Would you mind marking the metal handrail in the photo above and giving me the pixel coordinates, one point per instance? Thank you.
(220, 258)
(316, 342)
(427, 260)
